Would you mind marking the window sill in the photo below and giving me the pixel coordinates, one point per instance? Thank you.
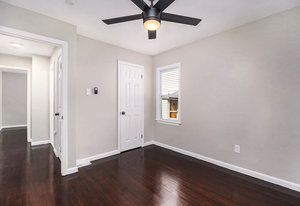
(168, 122)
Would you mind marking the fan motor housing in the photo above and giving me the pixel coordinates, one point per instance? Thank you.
(151, 14)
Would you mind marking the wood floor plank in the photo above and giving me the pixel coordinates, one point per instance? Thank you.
(30, 176)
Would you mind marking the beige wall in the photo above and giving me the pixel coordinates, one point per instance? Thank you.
(40, 98)
(10, 61)
(14, 61)
(22, 19)
(14, 99)
(96, 115)
(242, 87)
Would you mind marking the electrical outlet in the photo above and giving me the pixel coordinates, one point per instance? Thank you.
(237, 148)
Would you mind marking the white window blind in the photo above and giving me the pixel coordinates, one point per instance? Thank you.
(169, 82)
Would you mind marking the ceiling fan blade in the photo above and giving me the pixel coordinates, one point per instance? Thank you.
(180, 19)
(161, 5)
(151, 34)
(123, 19)
(141, 4)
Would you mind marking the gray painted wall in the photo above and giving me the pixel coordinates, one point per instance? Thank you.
(14, 99)
(242, 87)
(8, 61)
(96, 116)
(40, 98)
(15, 61)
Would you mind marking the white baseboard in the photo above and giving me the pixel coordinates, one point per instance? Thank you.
(258, 175)
(148, 143)
(71, 171)
(55, 152)
(13, 126)
(40, 142)
(87, 161)
(83, 162)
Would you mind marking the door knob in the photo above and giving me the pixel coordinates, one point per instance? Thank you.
(56, 114)
(123, 113)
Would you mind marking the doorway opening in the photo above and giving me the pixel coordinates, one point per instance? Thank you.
(44, 62)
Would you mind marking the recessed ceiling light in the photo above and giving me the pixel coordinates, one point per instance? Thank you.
(16, 45)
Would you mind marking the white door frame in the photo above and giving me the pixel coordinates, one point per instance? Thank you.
(64, 45)
(119, 102)
(27, 71)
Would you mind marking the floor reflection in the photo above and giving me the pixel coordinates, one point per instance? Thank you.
(30, 176)
(170, 186)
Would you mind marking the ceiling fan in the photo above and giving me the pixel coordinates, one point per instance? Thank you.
(153, 15)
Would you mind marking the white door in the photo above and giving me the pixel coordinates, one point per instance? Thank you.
(131, 106)
(58, 106)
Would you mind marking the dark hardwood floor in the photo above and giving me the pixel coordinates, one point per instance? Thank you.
(147, 176)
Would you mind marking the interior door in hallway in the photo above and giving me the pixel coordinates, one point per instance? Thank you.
(58, 106)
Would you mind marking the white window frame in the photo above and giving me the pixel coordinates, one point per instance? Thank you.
(158, 90)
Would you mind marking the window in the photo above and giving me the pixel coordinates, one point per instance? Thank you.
(168, 94)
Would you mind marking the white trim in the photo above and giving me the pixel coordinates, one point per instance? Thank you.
(3, 66)
(29, 139)
(54, 150)
(258, 175)
(30, 36)
(157, 95)
(40, 142)
(22, 70)
(87, 161)
(71, 170)
(168, 122)
(40, 38)
(51, 108)
(82, 163)
(119, 94)
(13, 126)
(148, 143)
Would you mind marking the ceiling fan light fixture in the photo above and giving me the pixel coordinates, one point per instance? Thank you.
(152, 15)
(152, 24)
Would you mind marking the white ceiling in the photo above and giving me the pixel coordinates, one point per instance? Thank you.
(217, 16)
(30, 47)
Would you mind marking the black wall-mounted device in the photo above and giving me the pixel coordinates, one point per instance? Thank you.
(95, 90)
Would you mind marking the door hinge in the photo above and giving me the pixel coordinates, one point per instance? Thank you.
(142, 136)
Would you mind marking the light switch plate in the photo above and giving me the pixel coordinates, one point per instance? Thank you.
(88, 91)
